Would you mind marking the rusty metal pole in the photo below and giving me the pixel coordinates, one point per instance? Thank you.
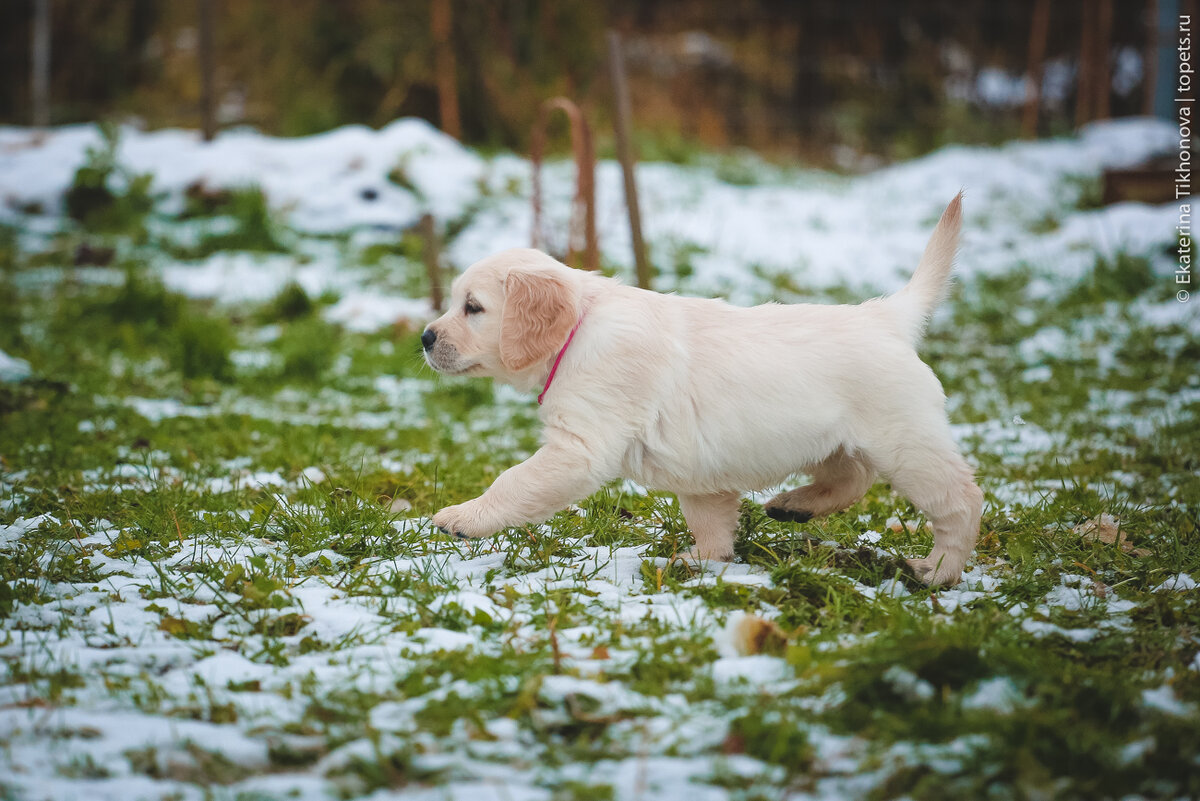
(582, 246)
(433, 265)
(616, 62)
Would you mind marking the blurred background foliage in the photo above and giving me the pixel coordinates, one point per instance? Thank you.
(893, 79)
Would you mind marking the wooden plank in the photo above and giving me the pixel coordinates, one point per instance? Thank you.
(1154, 185)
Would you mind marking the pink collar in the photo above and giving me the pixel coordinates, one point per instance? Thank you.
(554, 369)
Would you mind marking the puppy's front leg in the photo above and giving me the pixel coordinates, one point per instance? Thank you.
(559, 474)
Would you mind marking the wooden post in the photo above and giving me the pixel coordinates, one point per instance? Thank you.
(583, 248)
(1102, 87)
(616, 62)
(1085, 76)
(432, 261)
(1038, 27)
(208, 113)
(40, 66)
(441, 27)
(1150, 57)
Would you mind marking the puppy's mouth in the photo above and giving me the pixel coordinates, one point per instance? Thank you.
(452, 369)
(459, 370)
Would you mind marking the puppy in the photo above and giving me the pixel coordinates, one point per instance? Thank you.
(709, 400)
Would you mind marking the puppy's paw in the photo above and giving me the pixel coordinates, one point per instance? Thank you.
(786, 515)
(464, 520)
(698, 555)
(937, 570)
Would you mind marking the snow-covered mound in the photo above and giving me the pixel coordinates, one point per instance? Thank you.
(816, 228)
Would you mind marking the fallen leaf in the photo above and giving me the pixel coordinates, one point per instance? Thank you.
(751, 634)
(1107, 529)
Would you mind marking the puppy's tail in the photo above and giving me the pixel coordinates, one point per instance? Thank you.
(912, 306)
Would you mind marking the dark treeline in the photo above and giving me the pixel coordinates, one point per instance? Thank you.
(894, 78)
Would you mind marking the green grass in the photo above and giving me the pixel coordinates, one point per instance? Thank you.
(271, 515)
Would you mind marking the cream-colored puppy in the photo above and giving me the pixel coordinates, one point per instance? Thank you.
(709, 400)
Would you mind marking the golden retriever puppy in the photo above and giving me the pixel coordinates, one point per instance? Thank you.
(709, 400)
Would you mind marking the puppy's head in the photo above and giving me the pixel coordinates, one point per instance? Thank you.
(507, 314)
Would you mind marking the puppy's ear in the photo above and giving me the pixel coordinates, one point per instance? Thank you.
(539, 313)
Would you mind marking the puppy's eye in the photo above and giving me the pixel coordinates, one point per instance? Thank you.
(472, 307)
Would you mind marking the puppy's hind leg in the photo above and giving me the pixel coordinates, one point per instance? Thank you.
(838, 482)
(713, 522)
(939, 482)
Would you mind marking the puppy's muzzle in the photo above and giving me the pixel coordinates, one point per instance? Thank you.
(428, 338)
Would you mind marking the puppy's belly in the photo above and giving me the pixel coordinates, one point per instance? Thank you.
(703, 466)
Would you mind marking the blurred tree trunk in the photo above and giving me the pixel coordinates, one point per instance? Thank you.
(1037, 56)
(1095, 81)
(1150, 57)
(440, 23)
(1083, 84)
(1103, 86)
(41, 63)
(208, 112)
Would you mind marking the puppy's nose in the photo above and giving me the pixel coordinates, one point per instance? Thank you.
(428, 338)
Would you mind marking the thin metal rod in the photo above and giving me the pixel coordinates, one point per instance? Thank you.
(616, 61)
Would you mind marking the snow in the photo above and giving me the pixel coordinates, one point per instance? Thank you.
(820, 230)
(12, 369)
(908, 685)
(320, 177)
(1040, 629)
(998, 694)
(12, 533)
(758, 669)
(1177, 583)
(369, 311)
(1163, 699)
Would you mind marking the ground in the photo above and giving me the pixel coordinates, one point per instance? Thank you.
(218, 460)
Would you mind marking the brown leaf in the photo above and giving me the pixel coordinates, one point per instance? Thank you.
(1107, 529)
(733, 744)
(752, 634)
